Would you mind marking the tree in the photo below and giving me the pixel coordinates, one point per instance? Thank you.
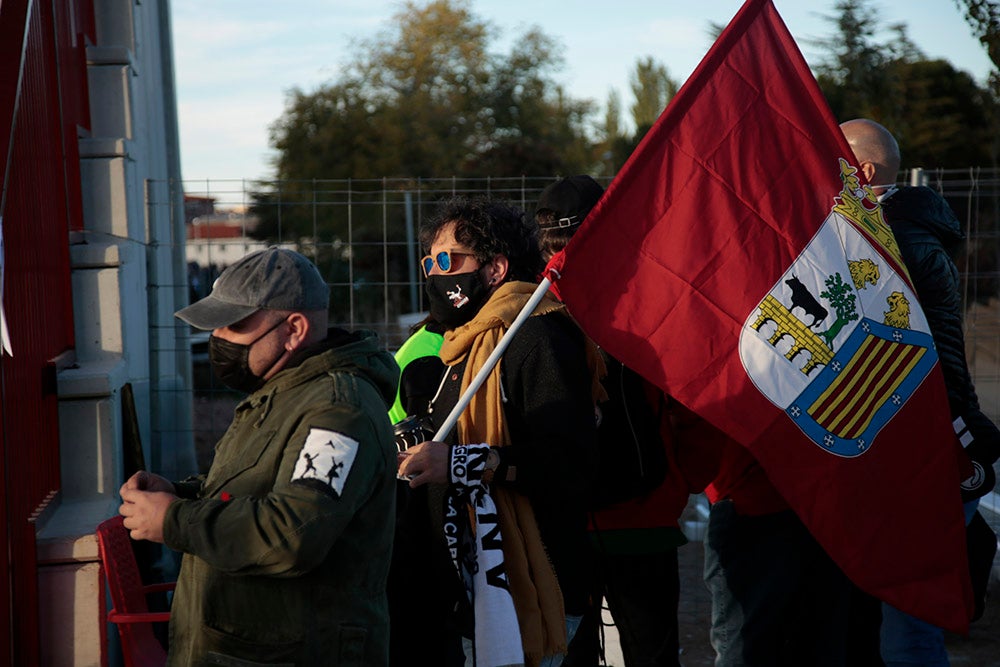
(534, 127)
(427, 97)
(854, 75)
(612, 128)
(939, 115)
(652, 88)
(841, 296)
(615, 146)
(942, 117)
(984, 18)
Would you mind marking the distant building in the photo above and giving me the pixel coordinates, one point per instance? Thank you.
(196, 206)
(219, 238)
(216, 239)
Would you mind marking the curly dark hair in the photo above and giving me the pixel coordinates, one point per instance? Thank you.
(489, 227)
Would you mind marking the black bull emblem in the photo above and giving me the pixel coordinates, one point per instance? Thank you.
(801, 298)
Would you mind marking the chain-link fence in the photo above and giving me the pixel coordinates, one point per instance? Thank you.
(974, 194)
(363, 236)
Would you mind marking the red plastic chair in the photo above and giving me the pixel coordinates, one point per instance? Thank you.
(130, 612)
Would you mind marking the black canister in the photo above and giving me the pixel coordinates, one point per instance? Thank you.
(411, 431)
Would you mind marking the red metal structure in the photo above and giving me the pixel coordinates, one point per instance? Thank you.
(43, 112)
(131, 614)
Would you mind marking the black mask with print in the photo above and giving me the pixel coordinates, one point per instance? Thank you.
(455, 298)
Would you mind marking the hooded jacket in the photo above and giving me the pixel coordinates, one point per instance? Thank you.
(287, 540)
(929, 234)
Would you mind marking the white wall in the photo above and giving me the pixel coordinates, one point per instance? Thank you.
(128, 278)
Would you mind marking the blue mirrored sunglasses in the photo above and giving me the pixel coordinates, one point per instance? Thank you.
(443, 261)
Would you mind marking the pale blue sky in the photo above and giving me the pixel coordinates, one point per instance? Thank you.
(236, 59)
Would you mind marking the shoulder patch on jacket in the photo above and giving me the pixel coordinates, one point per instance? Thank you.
(327, 457)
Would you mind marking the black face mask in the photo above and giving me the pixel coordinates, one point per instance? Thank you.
(231, 362)
(455, 298)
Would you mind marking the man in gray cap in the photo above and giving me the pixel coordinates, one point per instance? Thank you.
(287, 539)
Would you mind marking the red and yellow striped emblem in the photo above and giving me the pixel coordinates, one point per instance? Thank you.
(868, 380)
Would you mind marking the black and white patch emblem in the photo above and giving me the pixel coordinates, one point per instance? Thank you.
(326, 456)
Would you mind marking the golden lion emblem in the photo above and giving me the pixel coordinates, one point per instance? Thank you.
(898, 314)
(863, 271)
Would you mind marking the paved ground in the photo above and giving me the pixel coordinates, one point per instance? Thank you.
(694, 612)
(980, 649)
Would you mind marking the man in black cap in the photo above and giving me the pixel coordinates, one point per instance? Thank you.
(633, 523)
(287, 539)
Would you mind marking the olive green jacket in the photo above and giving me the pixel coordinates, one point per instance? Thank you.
(287, 540)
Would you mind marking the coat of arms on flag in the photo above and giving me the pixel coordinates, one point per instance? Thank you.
(745, 270)
(838, 343)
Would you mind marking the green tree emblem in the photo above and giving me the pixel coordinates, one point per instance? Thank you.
(842, 298)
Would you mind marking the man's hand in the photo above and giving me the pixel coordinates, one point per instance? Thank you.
(147, 481)
(425, 463)
(981, 482)
(981, 440)
(144, 512)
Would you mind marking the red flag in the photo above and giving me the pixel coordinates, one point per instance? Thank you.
(738, 262)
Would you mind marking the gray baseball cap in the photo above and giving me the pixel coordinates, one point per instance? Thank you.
(275, 279)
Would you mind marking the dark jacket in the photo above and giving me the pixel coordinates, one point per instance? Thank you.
(283, 565)
(929, 235)
(638, 452)
(553, 433)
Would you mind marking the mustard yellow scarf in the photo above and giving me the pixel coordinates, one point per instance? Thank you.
(533, 585)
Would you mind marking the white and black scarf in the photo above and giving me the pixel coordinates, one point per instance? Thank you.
(472, 528)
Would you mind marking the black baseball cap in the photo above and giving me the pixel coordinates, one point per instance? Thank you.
(569, 199)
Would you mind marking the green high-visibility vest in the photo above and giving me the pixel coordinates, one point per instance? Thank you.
(423, 343)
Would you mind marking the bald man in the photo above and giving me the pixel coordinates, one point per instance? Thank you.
(928, 234)
(876, 150)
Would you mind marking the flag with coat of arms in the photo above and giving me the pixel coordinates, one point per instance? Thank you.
(739, 262)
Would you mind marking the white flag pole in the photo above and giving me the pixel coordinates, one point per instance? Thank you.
(4, 333)
(491, 361)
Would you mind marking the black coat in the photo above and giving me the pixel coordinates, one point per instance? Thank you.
(550, 417)
(929, 234)
(553, 439)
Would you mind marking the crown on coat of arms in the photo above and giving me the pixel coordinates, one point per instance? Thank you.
(860, 206)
